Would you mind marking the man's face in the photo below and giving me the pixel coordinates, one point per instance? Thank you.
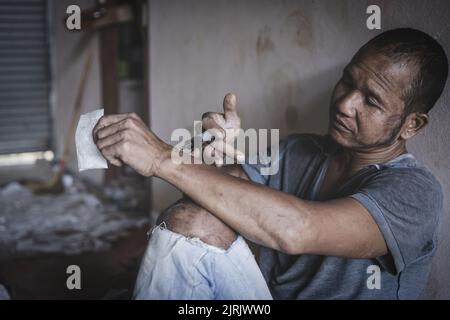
(367, 103)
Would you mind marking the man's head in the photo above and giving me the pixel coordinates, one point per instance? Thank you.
(387, 89)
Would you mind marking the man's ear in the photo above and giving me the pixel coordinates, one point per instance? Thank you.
(415, 122)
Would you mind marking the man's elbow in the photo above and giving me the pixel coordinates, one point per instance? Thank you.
(296, 239)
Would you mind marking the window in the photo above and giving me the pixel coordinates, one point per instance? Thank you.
(24, 77)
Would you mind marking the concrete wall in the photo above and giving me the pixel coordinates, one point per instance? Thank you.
(282, 59)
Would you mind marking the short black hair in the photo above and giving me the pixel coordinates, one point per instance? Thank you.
(418, 49)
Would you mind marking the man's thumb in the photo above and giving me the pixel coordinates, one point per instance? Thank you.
(229, 106)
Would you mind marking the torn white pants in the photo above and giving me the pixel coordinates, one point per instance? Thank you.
(177, 267)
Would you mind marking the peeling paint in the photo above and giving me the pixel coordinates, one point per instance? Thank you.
(264, 43)
(298, 27)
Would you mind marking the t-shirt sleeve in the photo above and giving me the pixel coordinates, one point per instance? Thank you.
(406, 204)
(275, 167)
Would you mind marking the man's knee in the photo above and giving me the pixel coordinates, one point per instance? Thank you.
(187, 218)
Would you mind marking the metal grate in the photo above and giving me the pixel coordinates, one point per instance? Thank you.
(24, 76)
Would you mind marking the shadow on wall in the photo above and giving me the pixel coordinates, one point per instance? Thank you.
(295, 106)
(313, 115)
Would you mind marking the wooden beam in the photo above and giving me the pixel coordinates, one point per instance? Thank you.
(109, 52)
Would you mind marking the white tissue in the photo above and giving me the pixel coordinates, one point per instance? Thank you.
(88, 155)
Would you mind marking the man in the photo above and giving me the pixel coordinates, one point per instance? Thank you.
(340, 207)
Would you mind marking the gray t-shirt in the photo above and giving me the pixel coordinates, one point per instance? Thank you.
(402, 196)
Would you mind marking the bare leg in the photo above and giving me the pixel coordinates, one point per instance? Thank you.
(177, 267)
(187, 218)
(172, 263)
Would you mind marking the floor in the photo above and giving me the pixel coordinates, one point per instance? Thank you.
(104, 275)
(107, 274)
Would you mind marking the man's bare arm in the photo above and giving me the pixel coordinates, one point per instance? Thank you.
(269, 217)
(272, 218)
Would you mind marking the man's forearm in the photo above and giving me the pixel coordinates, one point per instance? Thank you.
(263, 215)
(342, 227)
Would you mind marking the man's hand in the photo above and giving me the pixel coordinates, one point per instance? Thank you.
(124, 138)
(226, 126)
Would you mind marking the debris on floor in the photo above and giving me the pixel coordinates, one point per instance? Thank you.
(72, 222)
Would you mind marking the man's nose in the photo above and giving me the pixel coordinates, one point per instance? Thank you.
(348, 104)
